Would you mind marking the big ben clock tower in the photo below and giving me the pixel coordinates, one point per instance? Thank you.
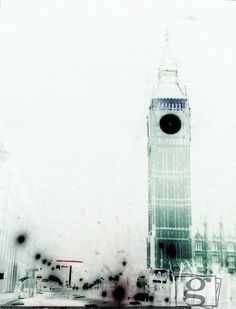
(169, 198)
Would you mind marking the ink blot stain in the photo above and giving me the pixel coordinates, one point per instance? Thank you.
(141, 297)
(37, 256)
(119, 293)
(124, 263)
(116, 278)
(166, 299)
(58, 266)
(110, 278)
(44, 261)
(54, 279)
(104, 293)
(53, 268)
(49, 263)
(21, 239)
(87, 286)
(97, 281)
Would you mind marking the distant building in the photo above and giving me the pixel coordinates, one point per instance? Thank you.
(15, 260)
(7, 221)
(210, 252)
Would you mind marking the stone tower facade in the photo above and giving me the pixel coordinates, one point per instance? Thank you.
(169, 197)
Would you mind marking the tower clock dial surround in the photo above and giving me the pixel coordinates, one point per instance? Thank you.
(170, 124)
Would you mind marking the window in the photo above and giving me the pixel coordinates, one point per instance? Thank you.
(230, 262)
(199, 260)
(198, 246)
(230, 247)
(214, 246)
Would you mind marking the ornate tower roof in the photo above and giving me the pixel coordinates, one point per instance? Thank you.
(168, 85)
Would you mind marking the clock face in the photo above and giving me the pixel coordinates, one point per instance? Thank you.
(170, 124)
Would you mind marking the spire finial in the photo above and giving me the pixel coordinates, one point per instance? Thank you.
(167, 49)
(167, 61)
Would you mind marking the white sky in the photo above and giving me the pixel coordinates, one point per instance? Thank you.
(76, 80)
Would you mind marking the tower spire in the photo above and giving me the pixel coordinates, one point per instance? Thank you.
(167, 63)
(168, 74)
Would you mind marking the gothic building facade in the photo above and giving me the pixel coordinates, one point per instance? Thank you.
(214, 251)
